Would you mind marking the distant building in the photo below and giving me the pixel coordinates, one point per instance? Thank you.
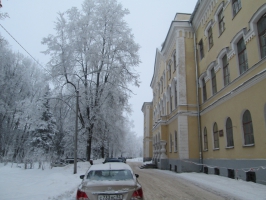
(147, 137)
(209, 96)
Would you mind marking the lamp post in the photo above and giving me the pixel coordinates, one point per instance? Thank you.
(76, 135)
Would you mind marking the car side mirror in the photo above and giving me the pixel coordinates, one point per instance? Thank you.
(136, 175)
(81, 176)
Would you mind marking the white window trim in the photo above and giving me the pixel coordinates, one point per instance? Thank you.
(169, 70)
(203, 142)
(234, 41)
(220, 56)
(216, 69)
(209, 25)
(205, 77)
(214, 148)
(170, 143)
(232, 10)
(218, 10)
(176, 143)
(253, 31)
(174, 54)
(242, 130)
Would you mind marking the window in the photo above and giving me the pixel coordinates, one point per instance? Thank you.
(205, 139)
(226, 70)
(161, 84)
(214, 85)
(236, 4)
(247, 128)
(229, 132)
(262, 35)
(242, 56)
(204, 90)
(175, 141)
(201, 50)
(174, 58)
(215, 136)
(221, 22)
(175, 96)
(251, 176)
(169, 70)
(170, 143)
(171, 102)
(210, 38)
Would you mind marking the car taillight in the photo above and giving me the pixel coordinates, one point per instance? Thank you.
(138, 194)
(82, 195)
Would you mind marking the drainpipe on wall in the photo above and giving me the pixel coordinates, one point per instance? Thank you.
(197, 93)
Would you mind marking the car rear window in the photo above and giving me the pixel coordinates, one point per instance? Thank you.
(111, 175)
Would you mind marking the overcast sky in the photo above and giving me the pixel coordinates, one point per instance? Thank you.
(31, 20)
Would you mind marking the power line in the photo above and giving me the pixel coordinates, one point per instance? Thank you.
(22, 47)
(30, 55)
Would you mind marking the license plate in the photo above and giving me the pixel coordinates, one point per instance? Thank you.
(110, 197)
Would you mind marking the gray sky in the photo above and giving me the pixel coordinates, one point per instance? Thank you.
(31, 20)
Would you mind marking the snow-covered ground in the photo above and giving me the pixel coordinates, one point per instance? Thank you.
(17, 183)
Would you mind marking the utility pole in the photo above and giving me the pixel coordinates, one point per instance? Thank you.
(76, 135)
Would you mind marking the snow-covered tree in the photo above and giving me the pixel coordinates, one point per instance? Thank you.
(43, 135)
(93, 51)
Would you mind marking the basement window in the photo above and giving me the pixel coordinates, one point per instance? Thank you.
(216, 171)
(251, 176)
(231, 173)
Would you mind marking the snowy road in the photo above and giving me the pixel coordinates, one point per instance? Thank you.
(159, 185)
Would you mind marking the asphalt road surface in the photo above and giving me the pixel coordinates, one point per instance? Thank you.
(158, 186)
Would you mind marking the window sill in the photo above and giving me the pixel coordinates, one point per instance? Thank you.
(210, 48)
(231, 147)
(236, 13)
(221, 33)
(216, 149)
(205, 150)
(249, 145)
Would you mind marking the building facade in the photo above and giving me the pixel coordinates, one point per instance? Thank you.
(147, 141)
(209, 99)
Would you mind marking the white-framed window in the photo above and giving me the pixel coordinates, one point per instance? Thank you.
(236, 6)
(210, 38)
(242, 56)
(214, 82)
(238, 48)
(170, 143)
(229, 132)
(219, 18)
(247, 128)
(257, 27)
(221, 22)
(175, 87)
(174, 60)
(161, 84)
(223, 63)
(226, 72)
(202, 84)
(215, 136)
(201, 50)
(205, 140)
(169, 69)
(211, 73)
(175, 141)
(262, 34)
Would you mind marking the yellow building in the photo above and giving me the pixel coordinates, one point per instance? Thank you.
(209, 96)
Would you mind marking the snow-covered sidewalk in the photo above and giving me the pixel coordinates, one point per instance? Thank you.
(17, 183)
